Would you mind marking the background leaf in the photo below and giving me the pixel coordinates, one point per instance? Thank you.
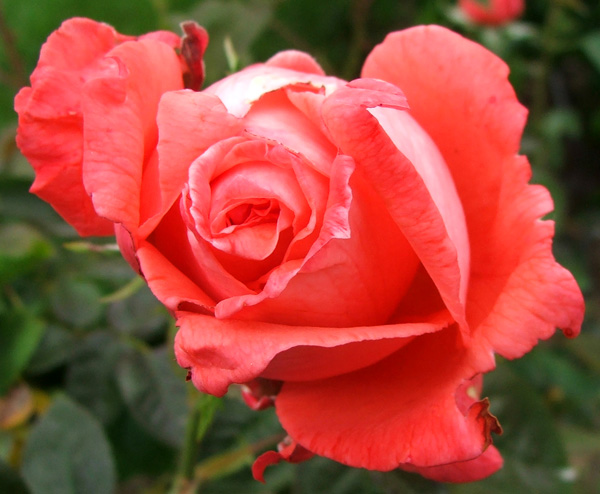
(68, 453)
(154, 394)
(20, 334)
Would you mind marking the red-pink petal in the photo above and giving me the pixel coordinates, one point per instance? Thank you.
(517, 292)
(168, 283)
(287, 450)
(295, 60)
(50, 118)
(76, 44)
(189, 123)
(478, 468)
(275, 117)
(399, 183)
(402, 410)
(120, 126)
(221, 352)
(256, 80)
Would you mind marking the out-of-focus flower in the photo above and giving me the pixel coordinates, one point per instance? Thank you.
(492, 12)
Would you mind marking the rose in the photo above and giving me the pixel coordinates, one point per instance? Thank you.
(493, 12)
(355, 253)
(91, 83)
(369, 256)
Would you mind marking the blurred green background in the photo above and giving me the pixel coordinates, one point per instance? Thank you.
(91, 400)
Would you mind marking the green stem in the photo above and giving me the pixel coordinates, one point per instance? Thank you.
(232, 460)
(360, 11)
(182, 484)
(17, 77)
(539, 103)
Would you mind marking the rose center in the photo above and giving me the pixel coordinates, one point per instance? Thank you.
(251, 213)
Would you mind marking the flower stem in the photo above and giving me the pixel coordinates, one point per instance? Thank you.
(200, 418)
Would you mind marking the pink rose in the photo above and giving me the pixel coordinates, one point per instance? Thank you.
(353, 253)
(93, 100)
(493, 12)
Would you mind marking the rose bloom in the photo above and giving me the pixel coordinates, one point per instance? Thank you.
(353, 253)
(492, 12)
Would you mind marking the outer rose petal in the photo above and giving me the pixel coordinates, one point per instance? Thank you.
(221, 352)
(402, 187)
(50, 121)
(517, 292)
(85, 73)
(288, 451)
(479, 468)
(120, 131)
(401, 410)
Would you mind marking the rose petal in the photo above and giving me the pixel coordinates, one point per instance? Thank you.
(50, 119)
(295, 60)
(517, 292)
(168, 265)
(221, 352)
(274, 117)
(181, 114)
(239, 91)
(287, 450)
(422, 152)
(59, 52)
(478, 468)
(399, 183)
(120, 130)
(419, 422)
(168, 283)
(354, 274)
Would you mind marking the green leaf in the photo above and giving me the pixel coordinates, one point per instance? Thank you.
(136, 451)
(19, 337)
(22, 248)
(155, 395)
(322, 475)
(590, 45)
(18, 204)
(77, 303)
(90, 376)
(139, 315)
(55, 348)
(68, 453)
